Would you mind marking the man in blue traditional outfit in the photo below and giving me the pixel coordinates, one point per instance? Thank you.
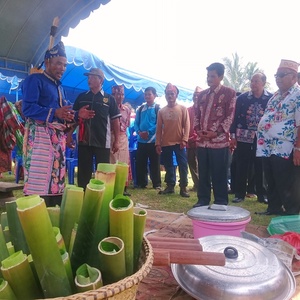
(48, 116)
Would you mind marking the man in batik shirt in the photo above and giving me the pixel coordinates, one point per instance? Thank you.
(214, 115)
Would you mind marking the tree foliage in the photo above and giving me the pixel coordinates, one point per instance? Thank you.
(237, 76)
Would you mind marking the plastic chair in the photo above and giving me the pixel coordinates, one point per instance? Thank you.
(72, 160)
(71, 163)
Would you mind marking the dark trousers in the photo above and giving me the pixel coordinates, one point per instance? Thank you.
(283, 179)
(52, 201)
(167, 157)
(193, 165)
(213, 171)
(246, 161)
(145, 152)
(86, 161)
(132, 156)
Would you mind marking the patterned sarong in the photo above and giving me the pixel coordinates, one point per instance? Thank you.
(44, 158)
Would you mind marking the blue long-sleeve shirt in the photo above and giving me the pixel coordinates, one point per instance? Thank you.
(145, 120)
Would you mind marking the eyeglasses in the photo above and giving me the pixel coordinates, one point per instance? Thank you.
(281, 75)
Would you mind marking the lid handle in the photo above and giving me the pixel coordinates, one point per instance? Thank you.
(231, 252)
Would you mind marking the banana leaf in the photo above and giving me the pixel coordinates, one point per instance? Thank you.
(43, 247)
(121, 226)
(87, 278)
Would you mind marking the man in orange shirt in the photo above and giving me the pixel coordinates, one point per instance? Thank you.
(172, 133)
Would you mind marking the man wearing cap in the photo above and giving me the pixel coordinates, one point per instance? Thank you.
(191, 148)
(122, 155)
(48, 115)
(172, 134)
(215, 110)
(278, 143)
(94, 135)
(249, 109)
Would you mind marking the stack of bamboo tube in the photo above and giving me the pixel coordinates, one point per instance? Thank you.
(182, 251)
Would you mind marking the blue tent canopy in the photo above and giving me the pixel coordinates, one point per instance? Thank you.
(79, 61)
(74, 82)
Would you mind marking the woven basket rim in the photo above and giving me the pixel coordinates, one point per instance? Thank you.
(121, 285)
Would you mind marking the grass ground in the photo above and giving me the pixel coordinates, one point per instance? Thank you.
(174, 202)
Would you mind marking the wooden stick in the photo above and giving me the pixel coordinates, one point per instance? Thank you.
(165, 258)
(175, 245)
(169, 239)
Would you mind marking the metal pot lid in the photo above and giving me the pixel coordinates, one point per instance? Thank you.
(253, 272)
(209, 214)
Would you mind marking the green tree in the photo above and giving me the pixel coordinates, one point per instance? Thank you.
(237, 76)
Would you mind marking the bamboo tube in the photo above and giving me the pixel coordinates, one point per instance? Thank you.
(121, 225)
(112, 259)
(17, 272)
(10, 248)
(59, 239)
(139, 222)
(6, 291)
(87, 278)
(4, 222)
(72, 239)
(106, 173)
(33, 269)
(151, 238)
(15, 228)
(87, 223)
(43, 247)
(176, 246)
(121, 178)
(54, 213)
(70, 210)
(67, 263)
(5, 228)
(165, 258)
(3, 247)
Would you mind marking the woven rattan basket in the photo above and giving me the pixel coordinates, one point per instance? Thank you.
(124, 289)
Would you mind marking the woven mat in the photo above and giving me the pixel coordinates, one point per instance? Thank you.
(160, 283)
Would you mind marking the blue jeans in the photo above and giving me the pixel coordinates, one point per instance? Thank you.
(167, 157)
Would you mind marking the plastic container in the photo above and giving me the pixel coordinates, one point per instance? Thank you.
(280, 225)
(208, 221)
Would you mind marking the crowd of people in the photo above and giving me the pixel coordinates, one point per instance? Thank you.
(254, 134)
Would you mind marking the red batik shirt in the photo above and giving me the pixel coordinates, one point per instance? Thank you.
(215, 112)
